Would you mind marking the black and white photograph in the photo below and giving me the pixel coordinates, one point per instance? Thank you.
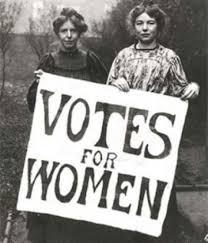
(103, 121)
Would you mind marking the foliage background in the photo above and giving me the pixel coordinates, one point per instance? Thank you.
(186, 35)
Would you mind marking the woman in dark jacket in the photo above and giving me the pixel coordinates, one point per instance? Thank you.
(69, 61)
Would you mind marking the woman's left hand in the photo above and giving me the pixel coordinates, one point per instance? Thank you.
(191, 91)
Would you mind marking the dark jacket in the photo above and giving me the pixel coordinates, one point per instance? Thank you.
(79, 64)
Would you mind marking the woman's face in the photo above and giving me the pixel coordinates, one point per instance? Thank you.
(146, 28)
(68, 35)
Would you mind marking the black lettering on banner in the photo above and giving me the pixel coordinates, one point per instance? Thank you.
(45, 179)
(85, 155)
(97, 159)
(119, 190)
(155, 207)
(46, 95)
(165, 138)
(80, 134)
(108, 110)
(131, 128)
(89, 174)
(110, 157)
(72, 191)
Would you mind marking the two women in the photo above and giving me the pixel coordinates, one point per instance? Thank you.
(145, 65)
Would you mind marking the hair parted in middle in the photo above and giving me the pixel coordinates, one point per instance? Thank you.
(72, 15)
(152, 9)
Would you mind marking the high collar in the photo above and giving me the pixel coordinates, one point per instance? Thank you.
(145, 49)
(68, 52)
(70, 60)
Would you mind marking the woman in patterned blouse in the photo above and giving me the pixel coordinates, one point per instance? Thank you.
(149, 66)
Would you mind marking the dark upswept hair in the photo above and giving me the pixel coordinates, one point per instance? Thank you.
(152, 9)
(72, 15)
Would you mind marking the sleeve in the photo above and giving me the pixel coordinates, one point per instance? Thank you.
(117, 68)
(45, 64)
(176, 77)
(97, 68)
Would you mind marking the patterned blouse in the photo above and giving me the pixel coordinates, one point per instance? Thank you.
(157, 70)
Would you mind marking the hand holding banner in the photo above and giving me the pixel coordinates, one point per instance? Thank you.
(101, 155)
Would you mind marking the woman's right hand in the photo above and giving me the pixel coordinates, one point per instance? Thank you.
(38, 73)
(121, 84)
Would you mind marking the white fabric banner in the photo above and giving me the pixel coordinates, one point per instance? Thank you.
(101, 155)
